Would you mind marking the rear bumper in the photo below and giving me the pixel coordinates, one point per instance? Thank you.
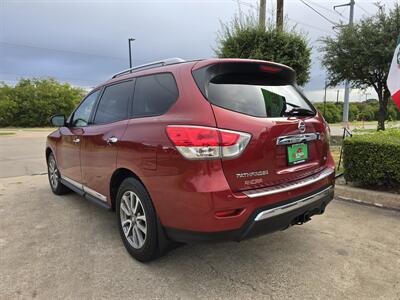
(265, 219)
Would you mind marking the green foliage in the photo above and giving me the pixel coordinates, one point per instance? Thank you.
(333, 111)
(359, 111)
(373, 159)
(363, 54)
(248, 40)
(32, 101)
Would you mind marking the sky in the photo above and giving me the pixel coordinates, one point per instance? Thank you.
(85, 42)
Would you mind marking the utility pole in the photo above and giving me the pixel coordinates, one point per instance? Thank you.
(130, 52)
(261, 16)
(337, 97)
(346, 84)
(366, 96)
(279, 15)
(326, 86)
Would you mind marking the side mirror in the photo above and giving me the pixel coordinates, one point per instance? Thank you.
(58, 120)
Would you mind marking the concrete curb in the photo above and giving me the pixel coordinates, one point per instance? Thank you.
(368, 197)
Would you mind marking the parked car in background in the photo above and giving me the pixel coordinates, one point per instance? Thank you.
(193, 151)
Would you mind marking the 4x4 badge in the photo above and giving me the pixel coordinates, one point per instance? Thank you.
(301, 126)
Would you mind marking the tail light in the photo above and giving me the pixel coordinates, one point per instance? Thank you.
(196, 142)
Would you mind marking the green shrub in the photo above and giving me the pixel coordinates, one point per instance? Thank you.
(32, 101)
(373, 159)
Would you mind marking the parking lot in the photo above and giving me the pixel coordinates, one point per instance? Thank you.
(65, 247)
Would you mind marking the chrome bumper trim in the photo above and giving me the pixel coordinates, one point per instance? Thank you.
(269, 213)
(298, 138)
(289, 186)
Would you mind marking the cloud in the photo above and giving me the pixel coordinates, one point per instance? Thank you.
(84, 42)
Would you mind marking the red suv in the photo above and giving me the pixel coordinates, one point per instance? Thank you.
(216, 149)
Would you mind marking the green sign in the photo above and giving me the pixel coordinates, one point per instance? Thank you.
(297, 153)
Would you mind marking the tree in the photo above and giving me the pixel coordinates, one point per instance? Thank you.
(248, 40)
(362, 54)
(32, 101)
(332, 111)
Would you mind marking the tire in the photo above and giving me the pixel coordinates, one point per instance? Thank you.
(54, 177)
(137, 221)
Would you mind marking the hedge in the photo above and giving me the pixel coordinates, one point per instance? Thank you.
(373, 159)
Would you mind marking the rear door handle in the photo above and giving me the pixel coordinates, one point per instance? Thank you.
(76, 140)
(112, 140)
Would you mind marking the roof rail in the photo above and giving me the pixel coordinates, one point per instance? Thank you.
(154, 64)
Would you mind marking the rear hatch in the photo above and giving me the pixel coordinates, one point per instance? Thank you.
(288, 137)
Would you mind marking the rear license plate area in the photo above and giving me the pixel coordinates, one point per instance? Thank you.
(297, 153)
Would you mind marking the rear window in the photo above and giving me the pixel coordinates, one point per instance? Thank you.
(154, 94)
(252, 92)
(114, 103)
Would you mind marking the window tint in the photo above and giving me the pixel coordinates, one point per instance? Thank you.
(154, 94)
(114, 104)
(255, 89)
(257, 100)
(82, 113)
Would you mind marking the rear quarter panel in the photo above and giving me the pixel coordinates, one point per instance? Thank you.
(146, 150)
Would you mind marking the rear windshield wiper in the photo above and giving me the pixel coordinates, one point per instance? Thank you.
(291, 104)
(299, 111)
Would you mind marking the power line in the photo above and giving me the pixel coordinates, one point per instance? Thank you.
(309, 25)
(363, 9)
(49, 76)
(7, 44)
(326, 9)
(247, 4)
(319, 13)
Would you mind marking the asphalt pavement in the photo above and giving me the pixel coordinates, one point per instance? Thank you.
(64, 247)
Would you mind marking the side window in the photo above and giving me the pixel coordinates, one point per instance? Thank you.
(114, 104)
(154, 94)
(82, 113)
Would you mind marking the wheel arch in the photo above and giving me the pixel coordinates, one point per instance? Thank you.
(48, 151)
(117, 177)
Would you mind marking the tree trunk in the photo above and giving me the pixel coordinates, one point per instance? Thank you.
(381, 118)
(383, 95)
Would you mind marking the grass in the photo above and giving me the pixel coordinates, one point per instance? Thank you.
(7, 133)
(335, 150)
(7, 129)
(354, 124)
(364, 130)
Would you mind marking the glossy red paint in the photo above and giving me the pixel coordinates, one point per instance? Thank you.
(263, 153)
(68, 152)
(189, 194)
(98, 156)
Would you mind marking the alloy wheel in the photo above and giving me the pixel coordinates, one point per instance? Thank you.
(53, 172)
(133, 219)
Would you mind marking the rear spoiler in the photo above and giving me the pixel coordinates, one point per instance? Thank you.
(240, 71)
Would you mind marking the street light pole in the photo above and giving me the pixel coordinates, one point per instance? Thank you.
(347, 84)
(279, 15)
(326, 86)
(130, 52)
(261, 14)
